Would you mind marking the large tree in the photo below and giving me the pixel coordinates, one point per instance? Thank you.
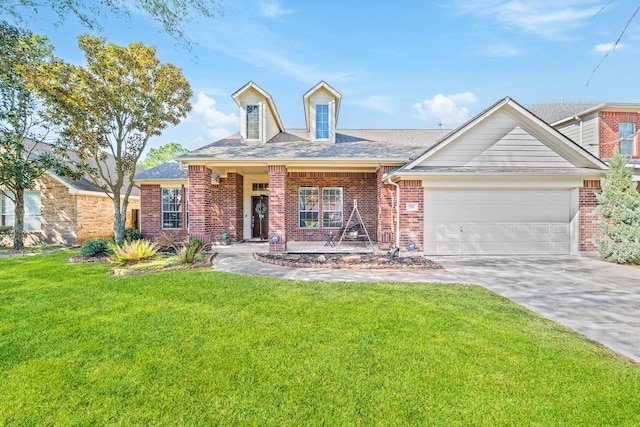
(619, 204)
(24, 155)
(122, 97)
(162, 154)
(173, 15)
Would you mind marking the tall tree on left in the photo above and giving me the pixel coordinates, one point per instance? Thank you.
(24, 154)
(120, 99)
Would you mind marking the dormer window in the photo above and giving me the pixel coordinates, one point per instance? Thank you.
(259, 119)
(253, 122)
(321, 107)
(322, 122)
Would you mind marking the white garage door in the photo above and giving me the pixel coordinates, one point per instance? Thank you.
(499, 222)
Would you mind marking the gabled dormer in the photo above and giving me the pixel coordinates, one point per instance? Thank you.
(321, 107)
(259, 119)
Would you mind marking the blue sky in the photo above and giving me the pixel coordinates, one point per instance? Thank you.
(412, 64)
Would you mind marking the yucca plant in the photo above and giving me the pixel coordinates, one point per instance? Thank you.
(190, 250)
(136, 250)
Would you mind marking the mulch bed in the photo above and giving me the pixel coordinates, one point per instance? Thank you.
(367, 261)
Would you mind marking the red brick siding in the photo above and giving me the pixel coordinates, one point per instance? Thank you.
(200, 203)
(226, 207)
(355, 185)
(278, 207)
(411, 223)
(608, 131)
(589, 218)
(151, 213)
(386, 211)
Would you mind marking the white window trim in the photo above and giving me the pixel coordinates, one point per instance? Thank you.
(328, 122)
(179, 211)
(36, 218)
(246, 124)
(333, 210)
(317, 211)
(633, 142)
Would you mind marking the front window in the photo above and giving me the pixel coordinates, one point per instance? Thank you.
(322, 121)
(253, 122)
(308, 207)
(332, 207)
(32, 211)
(627, 137)
(171, 208)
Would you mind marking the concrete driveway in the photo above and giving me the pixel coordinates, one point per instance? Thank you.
(596, 299)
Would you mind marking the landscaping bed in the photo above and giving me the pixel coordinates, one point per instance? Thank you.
(348, 260)
(160, 262)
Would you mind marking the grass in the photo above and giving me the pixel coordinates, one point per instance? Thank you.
(79, 346)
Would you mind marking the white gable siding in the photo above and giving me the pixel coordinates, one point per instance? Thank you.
(583, 133)
(497, 141)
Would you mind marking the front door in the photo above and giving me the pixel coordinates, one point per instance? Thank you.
(259, 217)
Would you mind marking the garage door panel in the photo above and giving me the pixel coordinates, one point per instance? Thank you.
(497, 222)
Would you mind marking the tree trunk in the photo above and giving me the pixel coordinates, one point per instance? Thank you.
(119, 220)
(18, 224)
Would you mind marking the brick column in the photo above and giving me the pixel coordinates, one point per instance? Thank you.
(150, 210)
(278, 207)
(386, 211)
(411, 223)
(200, 200)
(589, 218)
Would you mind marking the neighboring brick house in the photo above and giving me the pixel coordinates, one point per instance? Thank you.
(61, 211)
(601, 128)
(503, 183)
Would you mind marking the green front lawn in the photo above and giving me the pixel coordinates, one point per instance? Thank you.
(79, 346)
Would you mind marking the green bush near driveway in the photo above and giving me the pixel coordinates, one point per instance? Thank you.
(79, 346)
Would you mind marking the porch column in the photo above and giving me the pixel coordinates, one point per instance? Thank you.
(277, 208)
(200, 200)
(411, 221)
(386, 211)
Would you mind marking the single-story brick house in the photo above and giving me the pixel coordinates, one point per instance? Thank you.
(59, 210)
(506, 182)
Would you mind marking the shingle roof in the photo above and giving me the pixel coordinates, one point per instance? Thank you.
(554, 112)
(361, 144)
(169, 171)
(83, 184)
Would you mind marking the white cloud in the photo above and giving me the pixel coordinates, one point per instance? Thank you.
(548, 18)
(377, 102)
(213, 122)
(448, 111)
(607, 47)
(260, 47)
(273, 10)
(501, 50)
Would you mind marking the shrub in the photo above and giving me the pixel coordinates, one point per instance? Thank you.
(93, 247)
(6, 231)
(619, 205)
(130, 234)
(136, 250)
(189, 251)
(167, 243)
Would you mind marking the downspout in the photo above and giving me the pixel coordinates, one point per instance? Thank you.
(397, 211)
